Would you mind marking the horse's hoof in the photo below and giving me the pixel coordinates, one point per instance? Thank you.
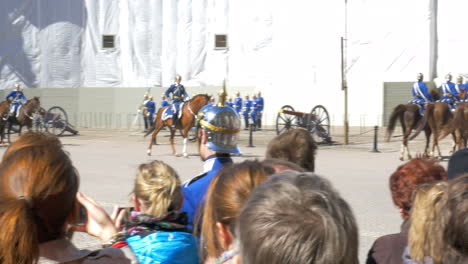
(177, 155)
(186, 155)
(401, 158)
(148, 152)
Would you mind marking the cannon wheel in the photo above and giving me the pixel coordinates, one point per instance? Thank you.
(285, 122)
(319, 124)
(56, 120)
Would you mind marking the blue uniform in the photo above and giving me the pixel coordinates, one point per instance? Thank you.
(449, 94)
(194, 191)
(230, 104)
(151, 109)
(420, 94)
(178, 94)
(246, 108)
(238, 104)
(18, 99)
(257, 109)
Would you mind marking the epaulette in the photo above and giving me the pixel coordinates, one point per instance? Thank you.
(194, 179)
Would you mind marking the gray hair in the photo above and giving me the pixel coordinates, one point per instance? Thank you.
(297, 217)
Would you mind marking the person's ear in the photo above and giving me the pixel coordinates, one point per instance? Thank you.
(224, 235)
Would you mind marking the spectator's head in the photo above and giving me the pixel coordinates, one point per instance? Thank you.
(38, 186)
(157, 189)
(296, 217)
(455, 218)
(408, 176)
(458, 164)
(280, 165)
(427, 199)
(225, 197)
(295, 145)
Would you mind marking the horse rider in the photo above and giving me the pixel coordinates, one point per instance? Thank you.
(449, 93)
(142, 109)
(218, 128)
(459, 86)
(164, 102)
(178, 96)
(150, 110)
(238, 103)
(258, 110)
(17, 98)
(230, 103)
(246, 107)
(420, 94)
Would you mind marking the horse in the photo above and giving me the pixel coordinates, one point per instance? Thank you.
(25, 115)
(4, 112)
(185, 123)
(438, 116)
(410, 118)
(460, 122)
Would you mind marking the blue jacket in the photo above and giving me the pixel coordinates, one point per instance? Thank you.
(151, 106)
(194, 190)
(448, 90)
(420, 92)
(165, 247)
(259, 104)
(178, 91)
(238, 104)
(247, 104)
(230, 104)
(17, 97)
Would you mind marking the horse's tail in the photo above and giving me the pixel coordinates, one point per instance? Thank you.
(397, 113)
(156, 121)
(428, 113)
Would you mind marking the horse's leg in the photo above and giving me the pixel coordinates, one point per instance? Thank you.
(428, 132)
(455, 142)
(405, 137)
(172, 130)
(157, 127)
(185, 134)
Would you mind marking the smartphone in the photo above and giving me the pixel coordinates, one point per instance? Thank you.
(127, 210)
(82, 216)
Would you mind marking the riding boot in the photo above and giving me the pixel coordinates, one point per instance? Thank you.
(174, 120)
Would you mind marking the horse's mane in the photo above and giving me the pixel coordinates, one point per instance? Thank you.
(207, 97)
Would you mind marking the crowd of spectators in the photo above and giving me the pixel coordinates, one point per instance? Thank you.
(275, 211)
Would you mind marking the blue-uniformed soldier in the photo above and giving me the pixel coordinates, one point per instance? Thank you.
(258, 110)
(150, 110)
(246, 106)
(238, 103)
(420, 93)
(178, 96)
(164, 102)
(459, 86)
(17, 98)
(143, 110)
(218, 128)
(230, 103)
(449, 93)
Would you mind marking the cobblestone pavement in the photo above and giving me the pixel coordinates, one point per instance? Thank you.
(107, 159)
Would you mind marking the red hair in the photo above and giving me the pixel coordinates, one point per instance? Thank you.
(408, 176)
(38, 186)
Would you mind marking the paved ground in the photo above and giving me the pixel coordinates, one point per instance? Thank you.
(107, 159)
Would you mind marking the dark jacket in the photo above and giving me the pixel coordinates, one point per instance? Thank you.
(389, 249)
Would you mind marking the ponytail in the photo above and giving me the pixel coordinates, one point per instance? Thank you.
(18, 238)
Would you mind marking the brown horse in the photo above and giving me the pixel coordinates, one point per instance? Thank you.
(25, 114)
(410, 118)
(459, 122)
(189, 115)
(4, 111)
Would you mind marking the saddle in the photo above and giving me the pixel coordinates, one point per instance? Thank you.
(168, 113)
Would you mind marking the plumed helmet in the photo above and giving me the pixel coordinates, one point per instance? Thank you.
(222, 124)
(420, 76)
(460, 79)
(448, 77)
(150, 97)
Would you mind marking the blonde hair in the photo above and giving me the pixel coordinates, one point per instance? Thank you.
(157, 185)
(424, 221)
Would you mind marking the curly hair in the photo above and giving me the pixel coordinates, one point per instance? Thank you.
(158, 186)
(408, 176)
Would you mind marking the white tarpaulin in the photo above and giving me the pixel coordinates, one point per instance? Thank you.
(288, 48)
